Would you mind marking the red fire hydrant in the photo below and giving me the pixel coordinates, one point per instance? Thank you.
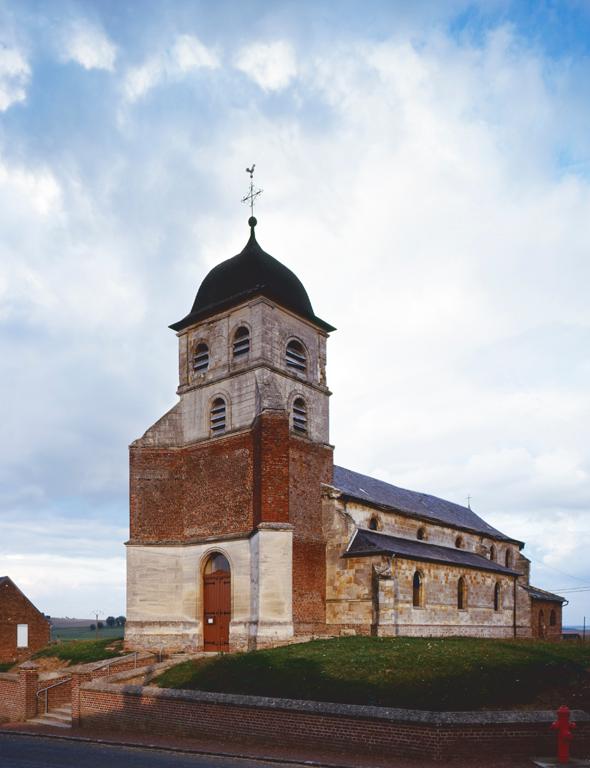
(564, 734)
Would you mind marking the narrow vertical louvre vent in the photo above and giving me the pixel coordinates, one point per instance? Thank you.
(218, 416)
(201, 358)
(241, 341)
(300, 416)
(295, 356)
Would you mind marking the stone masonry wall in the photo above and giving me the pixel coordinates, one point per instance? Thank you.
(354, 590)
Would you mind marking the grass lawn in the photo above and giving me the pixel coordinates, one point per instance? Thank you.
(83, 651)
(419, 673)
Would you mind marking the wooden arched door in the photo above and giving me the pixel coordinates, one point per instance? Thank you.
(216, 603)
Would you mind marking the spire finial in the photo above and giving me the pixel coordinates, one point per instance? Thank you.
(252, 195)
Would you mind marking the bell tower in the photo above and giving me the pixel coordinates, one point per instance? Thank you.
(235, 467)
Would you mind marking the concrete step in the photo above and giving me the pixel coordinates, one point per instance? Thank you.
(60, 717)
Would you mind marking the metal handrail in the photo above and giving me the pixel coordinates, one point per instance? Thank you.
(118, 660)
(44, 690)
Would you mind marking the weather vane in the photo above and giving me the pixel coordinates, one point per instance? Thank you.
(253, 193)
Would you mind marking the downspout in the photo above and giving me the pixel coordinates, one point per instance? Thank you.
(514, 609)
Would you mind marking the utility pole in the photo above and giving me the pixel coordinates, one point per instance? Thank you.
(97, 614)
(584, 631)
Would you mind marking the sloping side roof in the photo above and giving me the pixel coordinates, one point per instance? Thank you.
(373, 491)
(8, 581)
(366, 543)
(541, 594)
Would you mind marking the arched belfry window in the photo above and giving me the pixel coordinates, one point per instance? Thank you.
(295, 356)
(218, 416)
(241, 342)
(461, 594)
(373, 524)
(459, 543)
(299, 416)
(552, 618)
(493, 553)
(201, 358)
(421, 533)
(497, 596)
(418, 590)
(508, 558)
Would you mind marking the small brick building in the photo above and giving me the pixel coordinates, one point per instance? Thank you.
(243, 532)
(23, 628)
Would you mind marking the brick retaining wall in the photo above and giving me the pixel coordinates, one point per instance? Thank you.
(18, 690)
(9, 704)
(437, 735)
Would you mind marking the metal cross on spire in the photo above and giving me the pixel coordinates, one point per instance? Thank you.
(253, 193)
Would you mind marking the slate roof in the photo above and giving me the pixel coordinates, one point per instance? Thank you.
(364, 488)
(365, 543)
(253, 272)
(541, 594)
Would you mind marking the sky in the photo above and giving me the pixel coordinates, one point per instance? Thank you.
(426, 173)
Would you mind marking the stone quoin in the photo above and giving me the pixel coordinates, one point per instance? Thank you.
(243, 532)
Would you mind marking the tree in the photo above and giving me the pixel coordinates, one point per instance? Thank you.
(92, 627)
(121, 621)
(110, 621)
(100, 625)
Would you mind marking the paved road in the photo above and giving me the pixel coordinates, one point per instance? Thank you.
(19, 751)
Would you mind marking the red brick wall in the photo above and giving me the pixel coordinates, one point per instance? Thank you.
(137, 709)
(229, 485)
(547, 631)
(185, 493)
(15, 609)
(56, 695)
(310, 465)
(271, 451)
(9, 700)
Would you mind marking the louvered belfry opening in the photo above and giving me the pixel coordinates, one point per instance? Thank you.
(300, 416)
(201, 358)
(295, 356)
(241, 342)
(218, 414)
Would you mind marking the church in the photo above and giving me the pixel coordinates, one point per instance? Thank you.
(244, 534)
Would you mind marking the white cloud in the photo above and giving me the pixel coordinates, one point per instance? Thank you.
(15, 74)
(415, 190)
(186, 54)
(72, 586)
(272, 66)
(89, 46)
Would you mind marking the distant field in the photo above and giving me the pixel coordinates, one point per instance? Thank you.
(84, 633)
(82, 651)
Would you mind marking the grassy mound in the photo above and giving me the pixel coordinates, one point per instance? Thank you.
(83, 651)
(420, 673)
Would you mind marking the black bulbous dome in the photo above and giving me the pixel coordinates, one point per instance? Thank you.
(253, 272)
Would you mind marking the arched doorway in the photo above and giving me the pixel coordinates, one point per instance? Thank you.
(216, 603)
